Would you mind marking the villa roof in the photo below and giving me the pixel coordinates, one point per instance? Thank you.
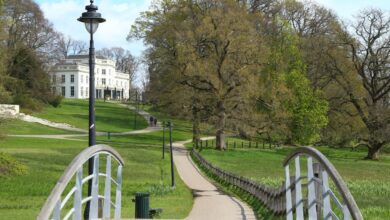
(84, 56)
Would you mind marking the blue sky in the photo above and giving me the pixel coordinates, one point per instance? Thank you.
(120, 14)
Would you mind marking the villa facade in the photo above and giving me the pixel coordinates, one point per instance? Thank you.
(70, 78)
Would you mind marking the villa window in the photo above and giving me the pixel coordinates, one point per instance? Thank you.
(104, 71)
(86, 79)
(63, 91)
(82, 91)
(87, 92)
(72, 78)
(72, 91)
(104, 81)
(62, 78)
(54, 78)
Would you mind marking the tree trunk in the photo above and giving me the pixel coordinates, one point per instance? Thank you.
(373, 151)
(220, 134)
(195, 127)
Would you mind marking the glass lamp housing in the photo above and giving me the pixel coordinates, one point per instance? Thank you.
(91, 26)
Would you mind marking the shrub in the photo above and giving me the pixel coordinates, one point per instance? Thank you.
(27, 102)
(9, 166)
(56, 101)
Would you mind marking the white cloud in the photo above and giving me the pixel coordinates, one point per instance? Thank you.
(120, 16)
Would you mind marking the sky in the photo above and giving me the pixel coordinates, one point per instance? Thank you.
(121, 14)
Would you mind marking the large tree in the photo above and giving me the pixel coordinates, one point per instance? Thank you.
(365, 80)
(222, 52)
(29, 42)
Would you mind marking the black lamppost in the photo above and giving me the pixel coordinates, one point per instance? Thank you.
(169, 125)
(136, 110)
(163, 147)
(91, 19)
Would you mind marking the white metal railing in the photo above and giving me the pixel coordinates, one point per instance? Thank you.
(320, 201)
(54, 205)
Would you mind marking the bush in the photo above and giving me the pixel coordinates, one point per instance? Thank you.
(27, 102)
(56, 101)
(9, 166)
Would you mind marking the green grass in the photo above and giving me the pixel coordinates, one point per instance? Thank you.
(367, 180)
(22, 197)
(154, 138)
(18, 127)
(110, 117)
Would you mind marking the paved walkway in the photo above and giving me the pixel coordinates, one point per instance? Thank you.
(210, 203)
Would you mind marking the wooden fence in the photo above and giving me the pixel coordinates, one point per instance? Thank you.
(240, 144)
(272, 198)
(307, 197)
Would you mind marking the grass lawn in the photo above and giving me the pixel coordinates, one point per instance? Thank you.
(19, 127)
(110, 117)
(367, 180)
(154, 138)
(22, 197)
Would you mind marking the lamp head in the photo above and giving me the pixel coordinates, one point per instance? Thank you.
(91, 18)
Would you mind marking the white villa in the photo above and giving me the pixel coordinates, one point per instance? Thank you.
(70, 78)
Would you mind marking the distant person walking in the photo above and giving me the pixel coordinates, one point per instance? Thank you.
(155, 122)
(151, 120)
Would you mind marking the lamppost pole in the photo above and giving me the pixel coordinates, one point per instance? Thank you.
(136, 110)
(91, 19)
(92, 127)
(171, 152)
(163, 147)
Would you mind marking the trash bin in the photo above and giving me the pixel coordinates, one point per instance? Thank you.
(141, 205)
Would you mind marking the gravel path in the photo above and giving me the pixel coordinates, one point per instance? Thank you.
(210, 203)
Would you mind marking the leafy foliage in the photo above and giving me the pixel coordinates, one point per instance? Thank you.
(9, 166)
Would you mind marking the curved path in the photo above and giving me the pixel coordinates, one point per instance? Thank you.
(74, 137)
(210, 203)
